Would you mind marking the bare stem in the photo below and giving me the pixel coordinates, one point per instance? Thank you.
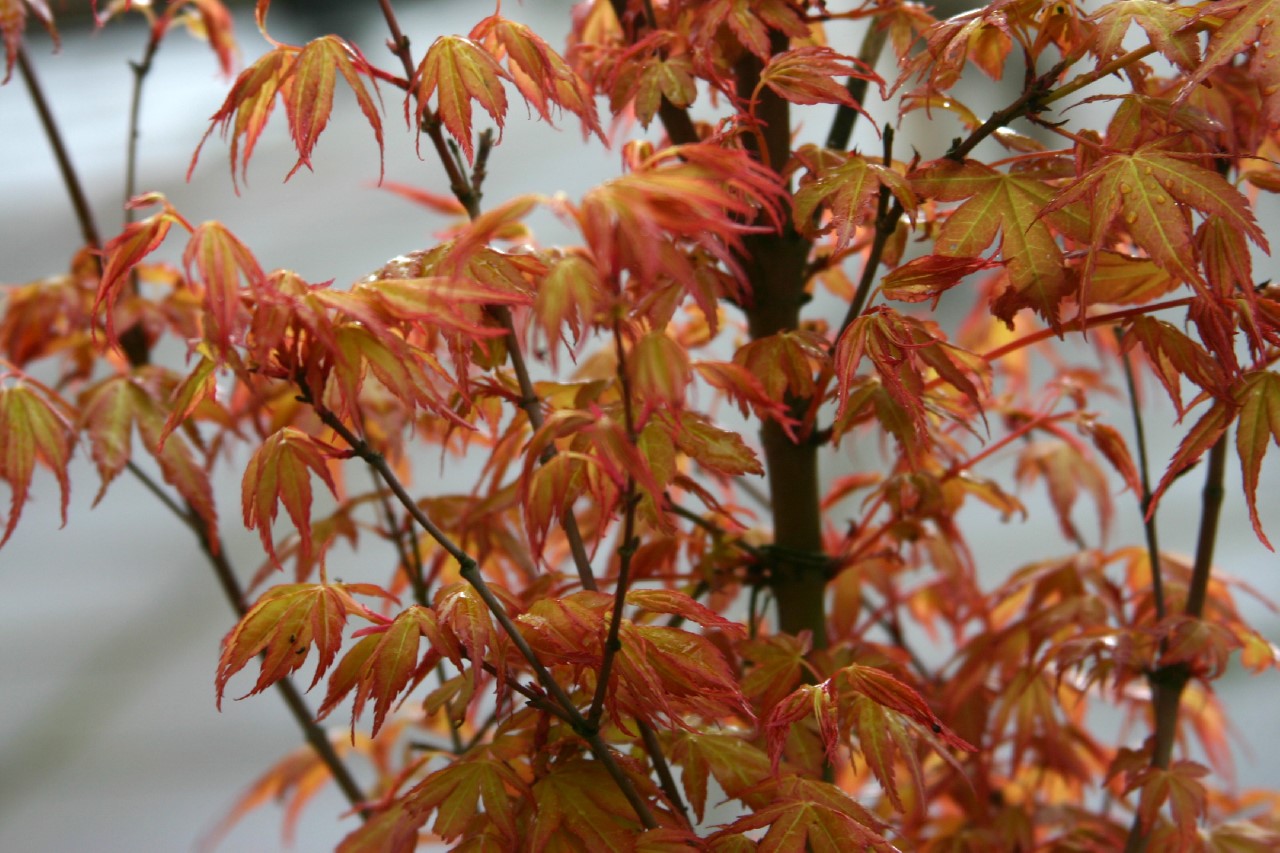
(626, 546)
(1169, 681)
(75, 191)
(873, 42)
(140, 71)
(1144, 473)
(1105, 70)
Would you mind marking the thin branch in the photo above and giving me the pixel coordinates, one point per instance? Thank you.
(627, 545)
(1033, 99)
(140, 71)
(873, 42)
(1105, 70)
(84, 215)
(887, 216)
(1169, 681)
(1144, 473)
(666, 780)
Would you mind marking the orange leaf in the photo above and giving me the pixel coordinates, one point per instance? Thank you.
(386, 660)
(678, 604)
(1202, 435)
(297, 778)
(277, 473)
(659, 368)
(282, 625)
(883, 689)
(540, 73)
(929, 277)
(461, 609)
(1014, 205)
(1249, 26)
(579, 804)
(122, 254)
(309, 93)
(849, 189)
(456, 793)
(211, 21)
(719, 450)
(459, 71)
(248, 106)
(31, 430)
(1151, 189)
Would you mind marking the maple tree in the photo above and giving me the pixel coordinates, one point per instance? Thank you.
(644, 593)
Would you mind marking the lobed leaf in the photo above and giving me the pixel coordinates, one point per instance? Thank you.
(278, 473)
(458, 71)
(283, 625)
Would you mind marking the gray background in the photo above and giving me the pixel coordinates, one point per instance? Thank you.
(109, 629)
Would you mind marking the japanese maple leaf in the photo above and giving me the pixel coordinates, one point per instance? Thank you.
(1249, 26)
(1153, 191)
(1013, 205)
(458, 71)
(1164, 23)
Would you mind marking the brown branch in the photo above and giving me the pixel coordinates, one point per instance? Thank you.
(626, 547)
(70, 179)
(1144, 472)
(1170, 680)
(873, 42)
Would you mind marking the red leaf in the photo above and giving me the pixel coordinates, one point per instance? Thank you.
(679, 604)
(929, 277)
(807, 75)
(385, 661)
(1195, 444)
(1258, 425)
(217, 259)
(883, 689)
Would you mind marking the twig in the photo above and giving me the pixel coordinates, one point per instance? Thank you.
(626, 547)
(1169, 681)
(1144, 473)
(887, 216)
(873, 42)
(70, 179)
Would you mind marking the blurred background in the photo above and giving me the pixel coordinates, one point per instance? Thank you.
(109, 629)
